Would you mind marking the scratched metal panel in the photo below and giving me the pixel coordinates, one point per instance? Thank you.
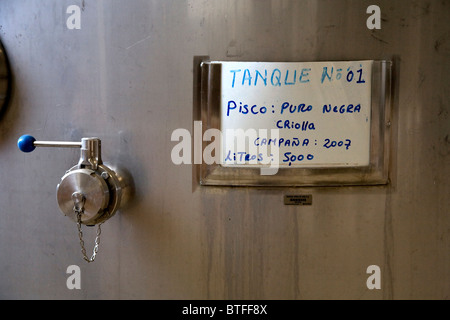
(127, 76)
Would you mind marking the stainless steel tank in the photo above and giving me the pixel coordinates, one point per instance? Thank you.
(124, 71)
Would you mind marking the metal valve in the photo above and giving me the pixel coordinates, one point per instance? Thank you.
(90, 189)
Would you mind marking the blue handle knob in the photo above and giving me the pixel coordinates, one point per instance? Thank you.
(26, 143)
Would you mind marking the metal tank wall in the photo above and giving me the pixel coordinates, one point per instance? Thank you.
(127, 76)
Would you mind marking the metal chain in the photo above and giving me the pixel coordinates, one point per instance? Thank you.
(79, 212)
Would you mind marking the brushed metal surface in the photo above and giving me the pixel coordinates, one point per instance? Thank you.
(127, 77)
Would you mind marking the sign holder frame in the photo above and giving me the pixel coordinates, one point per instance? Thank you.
(376, 173)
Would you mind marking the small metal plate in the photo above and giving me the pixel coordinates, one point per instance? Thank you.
(298, 199)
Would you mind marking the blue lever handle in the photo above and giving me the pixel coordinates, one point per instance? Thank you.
(26, 143)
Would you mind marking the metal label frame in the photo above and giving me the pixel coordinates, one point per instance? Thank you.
(376, 173)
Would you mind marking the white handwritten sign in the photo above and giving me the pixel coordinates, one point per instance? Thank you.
(306, 114)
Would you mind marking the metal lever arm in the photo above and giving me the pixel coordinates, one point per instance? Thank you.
(90, 149)
(28, 143)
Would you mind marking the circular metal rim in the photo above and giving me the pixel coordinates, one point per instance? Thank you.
(120, 186)
(5, 79)
(93, 187)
